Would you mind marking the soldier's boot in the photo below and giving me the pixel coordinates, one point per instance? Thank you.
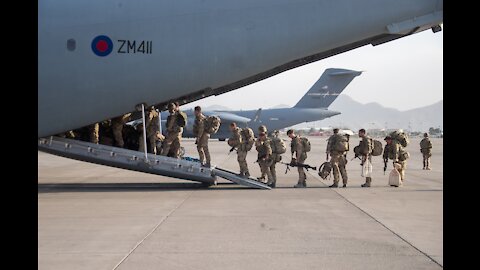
(428, 165)
(301, 184)
(272, 184)
(424, 164)
(335, 184)
(207, 164)
(261, 179)
(344, 185)
(368, 181)
(246, 174)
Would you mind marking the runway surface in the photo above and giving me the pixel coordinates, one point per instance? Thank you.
(97, 217)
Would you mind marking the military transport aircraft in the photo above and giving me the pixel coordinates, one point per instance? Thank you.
(101, 59)
(312, 106)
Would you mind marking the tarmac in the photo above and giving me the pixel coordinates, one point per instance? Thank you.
(97, 217)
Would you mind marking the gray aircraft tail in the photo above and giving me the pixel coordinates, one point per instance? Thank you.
(327, 88)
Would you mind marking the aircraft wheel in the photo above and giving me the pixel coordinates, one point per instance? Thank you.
(222, 139)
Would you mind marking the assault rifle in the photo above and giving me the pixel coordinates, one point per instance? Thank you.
(231, 150)
(356, 156)
(296, 164)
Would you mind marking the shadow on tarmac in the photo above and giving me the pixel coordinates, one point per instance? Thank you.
(132, 187)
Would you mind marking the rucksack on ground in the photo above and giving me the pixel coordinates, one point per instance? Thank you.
(400, 137)
(248, 138)
(377, 148)
(181, 119)
(325, 169)
(341, 144)
(212, 124)
(306, 144)
(278, 146)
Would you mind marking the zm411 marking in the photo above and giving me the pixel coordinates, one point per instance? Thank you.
(132, 46)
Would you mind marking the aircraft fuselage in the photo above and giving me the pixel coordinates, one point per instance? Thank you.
(98, 59)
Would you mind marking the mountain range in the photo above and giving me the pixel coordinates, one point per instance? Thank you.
(355, 115)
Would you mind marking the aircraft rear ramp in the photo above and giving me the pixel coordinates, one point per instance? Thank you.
(137, 161)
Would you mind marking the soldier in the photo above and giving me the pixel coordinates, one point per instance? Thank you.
(365, 148)
(201, 136)
(300, 157)
(152, 131)
(395, 152)
(93, 130)
(276, 157)
(338, 159)
(263, 129)
(426, 150)
(174, 132)
(264, 158)
(236, 141)
(117, 128)
(176, 145)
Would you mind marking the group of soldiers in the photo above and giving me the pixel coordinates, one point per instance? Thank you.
(243, 140)
(337, 158)
(266, 157)
(115, 132)
(393, 151)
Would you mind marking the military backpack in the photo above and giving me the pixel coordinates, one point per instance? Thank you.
(325, 169)
(340, 144)
(278, 146)
(400, 136)
(377, 148)
(248, 138)
(212, 124)
(181, 119)
(306, 144)
(425, 144)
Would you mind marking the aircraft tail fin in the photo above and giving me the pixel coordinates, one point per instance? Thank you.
(327, 88)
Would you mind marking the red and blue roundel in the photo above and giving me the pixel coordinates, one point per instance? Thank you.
(102, 45)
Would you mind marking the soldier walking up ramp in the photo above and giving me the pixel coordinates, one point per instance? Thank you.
(137, 161)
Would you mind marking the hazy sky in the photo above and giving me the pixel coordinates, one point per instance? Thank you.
(404, 74)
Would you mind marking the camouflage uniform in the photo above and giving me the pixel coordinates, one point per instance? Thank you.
(237, 141)
(392, 151)
(297, 147)
(94, 129)
(275, 158)
(117, 128)
(202, 139)
(152, 131)
(264, 159)
(365, 148)
(338, 161)
(174, 135)
(426, 150)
